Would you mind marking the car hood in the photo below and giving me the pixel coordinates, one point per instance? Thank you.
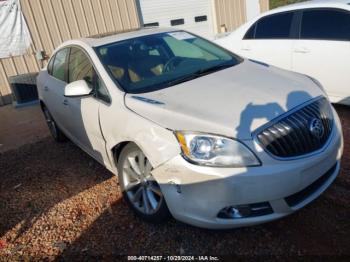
(232, 102)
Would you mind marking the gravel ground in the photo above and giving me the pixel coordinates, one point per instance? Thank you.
(58, 203)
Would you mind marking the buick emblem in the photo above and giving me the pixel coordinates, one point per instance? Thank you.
(316, 127)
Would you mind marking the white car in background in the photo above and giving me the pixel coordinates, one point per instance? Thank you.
(311, 38)
(191, 129)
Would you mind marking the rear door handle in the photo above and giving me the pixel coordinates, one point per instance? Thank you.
(46, 88)
(302, 50)
(65, 102)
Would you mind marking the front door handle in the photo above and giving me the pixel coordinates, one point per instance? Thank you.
(65, 102)
(246, 48)
(46, 88)
(302, 50)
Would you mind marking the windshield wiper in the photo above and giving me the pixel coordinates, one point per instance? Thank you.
(198, 73)
(182, 79)
(213, 69)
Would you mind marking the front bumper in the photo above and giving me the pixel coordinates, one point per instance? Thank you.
(196, 194)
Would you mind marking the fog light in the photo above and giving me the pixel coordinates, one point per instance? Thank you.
(244, 211)
(235, 212)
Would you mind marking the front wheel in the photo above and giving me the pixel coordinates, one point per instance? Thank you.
(140, 190)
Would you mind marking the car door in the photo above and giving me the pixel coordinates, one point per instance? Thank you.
(323, 50)
(83, 112)
(270, 40)
(53, 89)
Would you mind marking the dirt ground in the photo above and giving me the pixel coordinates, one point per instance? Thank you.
(21, 126)
(58, 203)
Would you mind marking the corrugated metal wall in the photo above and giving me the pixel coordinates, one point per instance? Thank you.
(230, 14)
(51, 22)
(264, 5)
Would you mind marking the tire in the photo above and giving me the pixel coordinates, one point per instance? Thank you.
(140, 190)
(55, 131)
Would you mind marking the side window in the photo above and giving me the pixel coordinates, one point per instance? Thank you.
(325, 24)
(50, 65)
(250, 33)
(80, 67)
(201, 18)
(175, 22)
(59, 65)
(151, 24)
(275, 26)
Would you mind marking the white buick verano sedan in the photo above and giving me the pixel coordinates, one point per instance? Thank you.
(191, 129)
(311, 37)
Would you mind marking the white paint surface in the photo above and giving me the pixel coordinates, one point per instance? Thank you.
(252, 8)
(163, 11)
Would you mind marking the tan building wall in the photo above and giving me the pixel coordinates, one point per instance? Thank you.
(51, 22)
(264, 5)
(230, 14)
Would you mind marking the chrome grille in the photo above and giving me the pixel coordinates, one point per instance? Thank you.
(301, 132)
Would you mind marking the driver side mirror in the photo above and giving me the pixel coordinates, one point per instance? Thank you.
(77, 88)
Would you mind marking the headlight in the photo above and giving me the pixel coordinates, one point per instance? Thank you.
(212, 150)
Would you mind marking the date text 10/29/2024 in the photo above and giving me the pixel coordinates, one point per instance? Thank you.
(173, 258)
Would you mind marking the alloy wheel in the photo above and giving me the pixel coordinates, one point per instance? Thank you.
(142, 190)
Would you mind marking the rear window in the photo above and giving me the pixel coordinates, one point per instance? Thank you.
(325, 24)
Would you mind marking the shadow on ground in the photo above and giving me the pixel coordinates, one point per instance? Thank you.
(41, 190)
(57, 202)
(320, 229)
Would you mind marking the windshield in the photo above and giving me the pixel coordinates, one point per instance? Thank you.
(157, 61)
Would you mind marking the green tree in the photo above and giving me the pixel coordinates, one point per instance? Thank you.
(277, 3)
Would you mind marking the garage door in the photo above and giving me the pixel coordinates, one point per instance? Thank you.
(192, 15)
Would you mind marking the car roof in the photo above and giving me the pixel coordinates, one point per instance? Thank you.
(106, 38)
(311, 4)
